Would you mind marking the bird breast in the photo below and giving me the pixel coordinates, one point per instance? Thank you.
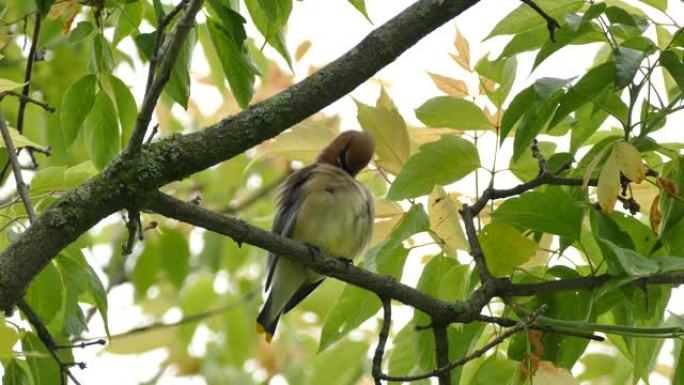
(336, 214)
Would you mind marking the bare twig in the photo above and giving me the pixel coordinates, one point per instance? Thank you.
(523, 324)
(49, 342)
(155, 129)
(28, 99)
(551, 23)
(83, 345)
(22, 188)
(189, 319)
(467, 213)
(135, 232)
(157, 79)
(28, 73)
(382, 339)
(255, 197)
(508, 322)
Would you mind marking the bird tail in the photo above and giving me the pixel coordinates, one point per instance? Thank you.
(267, 321)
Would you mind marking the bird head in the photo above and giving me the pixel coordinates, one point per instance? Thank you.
(350, 151)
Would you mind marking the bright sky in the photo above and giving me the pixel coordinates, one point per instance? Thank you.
(333, 27)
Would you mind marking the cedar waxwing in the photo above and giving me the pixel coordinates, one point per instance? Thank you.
(322, 205)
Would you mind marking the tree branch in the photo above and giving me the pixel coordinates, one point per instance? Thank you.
(133, 177)
(28, 73)
(523, 324)
(156, 82)
(382, 340)
(551, 23)
(442, 353)
(49, 342)
(22, 188)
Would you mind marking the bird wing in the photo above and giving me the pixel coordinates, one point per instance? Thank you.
(289, 201)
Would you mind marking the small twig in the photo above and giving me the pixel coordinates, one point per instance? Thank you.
(523, 324)
(49, 342)
(551, 23)
(28, 99)
(382, 339)
(155, 129)
(28, 73)
(22, 188)
(156, 80)
(508, 322)
(191, 318)
(255, 197)
(134, 227)
(536, 153)
(82, 345)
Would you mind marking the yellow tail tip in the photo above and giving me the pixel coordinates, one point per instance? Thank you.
(260, 330)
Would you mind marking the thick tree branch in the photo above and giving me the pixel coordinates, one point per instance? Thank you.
(157, 81)
(134, 176)
(241, 232)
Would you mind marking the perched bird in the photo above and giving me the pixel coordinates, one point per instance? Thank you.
(325, 206)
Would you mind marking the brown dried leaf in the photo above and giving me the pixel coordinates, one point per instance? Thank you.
(463, 48)
(667, 185)
(460, 61)
(655, 216)
(302, 50)
(452, 87)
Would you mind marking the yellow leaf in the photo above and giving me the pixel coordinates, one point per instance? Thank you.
(20, 140)
(548, 374)
(302, 50)
(422, 135)
(8, 85)
(385, 124)
(445, 219)
(629, 161)
(609, 183)
(452, 87)
(462, 48)
(8, 337)
(387, 215)
(304, 141)
(143, 342)
(592, 165)
(460, 61)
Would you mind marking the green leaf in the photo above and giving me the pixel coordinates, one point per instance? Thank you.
(502, 71)
(229, 41)
(360, 6)
(447, 111)
(8, 337)
(17, 373)
(270, 18)
(584, 33)
(83, 29)
(534, 121)
(101, 55)
(175, 255)
(99, 293)
(524, 18)
(526, 41)
(325, 367)
(178, 86)
(44, 369)
(442, 162)
(45, 294)
(385, 124)
(658, 4)
(530, 211)
(495, 371)
(505, 248)
(126, 107)
(627, 63)
(128, 21)
(101, 131)
(519, 106)
(147, 267)
(591, 84)
(76, 104)
(674, 66)
(634, 263)
(356, 305)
